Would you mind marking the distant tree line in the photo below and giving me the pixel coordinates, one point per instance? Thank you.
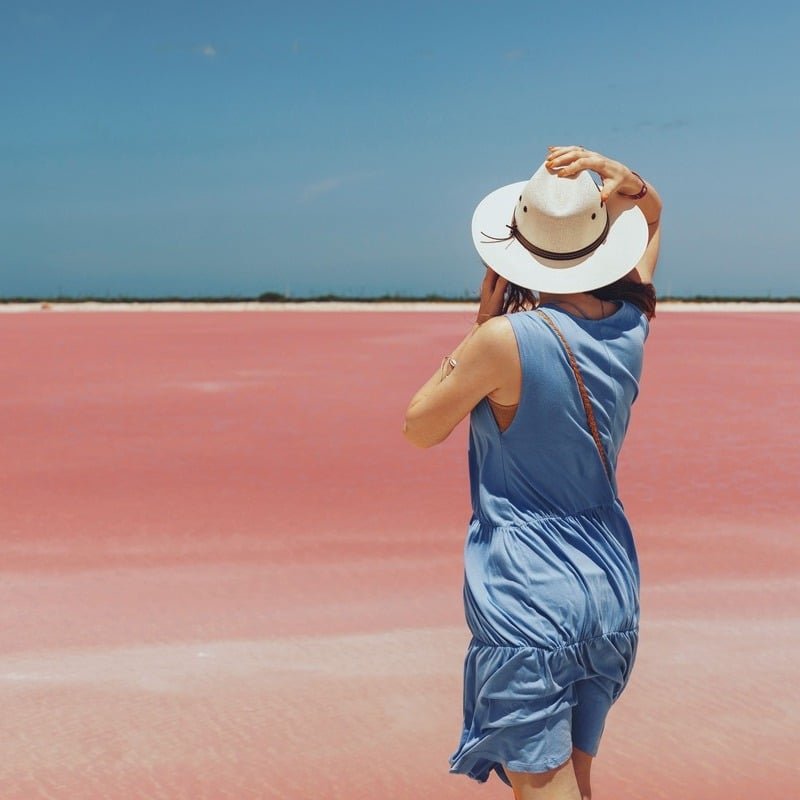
(280, 297)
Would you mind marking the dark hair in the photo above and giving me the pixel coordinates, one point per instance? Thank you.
(642, 295)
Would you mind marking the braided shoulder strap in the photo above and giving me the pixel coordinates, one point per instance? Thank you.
(587, 403)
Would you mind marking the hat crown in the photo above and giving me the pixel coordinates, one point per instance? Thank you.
(561, 215)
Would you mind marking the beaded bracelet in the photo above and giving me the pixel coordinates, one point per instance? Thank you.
(640, 194)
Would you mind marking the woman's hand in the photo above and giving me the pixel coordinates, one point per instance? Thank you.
(493, 292)
(572, 159)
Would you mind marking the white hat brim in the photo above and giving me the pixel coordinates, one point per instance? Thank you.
(618, 255)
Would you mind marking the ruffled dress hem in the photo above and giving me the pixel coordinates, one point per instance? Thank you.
(519, 701)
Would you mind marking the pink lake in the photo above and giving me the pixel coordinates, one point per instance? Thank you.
(225, 574)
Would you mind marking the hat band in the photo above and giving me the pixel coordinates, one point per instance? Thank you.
(551, 255)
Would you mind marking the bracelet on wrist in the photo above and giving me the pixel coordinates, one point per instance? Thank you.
(640, 194)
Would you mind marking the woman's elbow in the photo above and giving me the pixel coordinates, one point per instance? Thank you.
(416, 433)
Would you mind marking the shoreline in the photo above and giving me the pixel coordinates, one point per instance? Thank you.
(328, 306)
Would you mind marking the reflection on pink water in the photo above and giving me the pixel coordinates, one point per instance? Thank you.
(225, 574)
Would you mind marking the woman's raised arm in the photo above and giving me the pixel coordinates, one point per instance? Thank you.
(479, 365)
(617, 179)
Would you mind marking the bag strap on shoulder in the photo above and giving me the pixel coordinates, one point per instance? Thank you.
(587, 403)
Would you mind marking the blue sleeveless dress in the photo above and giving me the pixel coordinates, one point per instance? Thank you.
(551, 578)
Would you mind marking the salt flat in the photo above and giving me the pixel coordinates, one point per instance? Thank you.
(223, 572)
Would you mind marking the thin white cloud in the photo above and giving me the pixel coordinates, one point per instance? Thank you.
(315, 190)
(296, 46)
(207, 50)
(515, 55)
(322, 187)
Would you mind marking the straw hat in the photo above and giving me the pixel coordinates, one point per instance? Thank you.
(554, 234)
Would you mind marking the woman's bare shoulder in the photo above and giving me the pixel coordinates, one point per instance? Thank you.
(499, 344)
(496, 332)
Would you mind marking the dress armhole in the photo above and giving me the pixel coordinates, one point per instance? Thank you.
(503, 413)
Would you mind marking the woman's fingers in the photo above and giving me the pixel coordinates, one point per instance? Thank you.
(610, 185)
(579, 165)
(569, 157)
(489, 283)
(566, 155)
(571, 160)
(572, 167)
(560, 150)
(493, 292)
(490, 277)
(556, 159)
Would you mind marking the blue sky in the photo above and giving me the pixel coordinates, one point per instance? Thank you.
(208, 148)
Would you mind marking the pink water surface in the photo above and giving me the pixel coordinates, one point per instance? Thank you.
(224, 574)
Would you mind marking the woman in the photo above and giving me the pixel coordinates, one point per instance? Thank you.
(551, 576)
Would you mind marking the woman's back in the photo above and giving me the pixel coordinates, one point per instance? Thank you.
(546, 462)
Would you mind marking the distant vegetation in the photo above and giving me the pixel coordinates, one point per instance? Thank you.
(710, 298)
(279, 297)
(266, 297)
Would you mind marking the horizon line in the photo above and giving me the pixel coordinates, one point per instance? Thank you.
(277, 297)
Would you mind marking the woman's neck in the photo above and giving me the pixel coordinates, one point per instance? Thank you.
(573, 297)
(578, 304)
